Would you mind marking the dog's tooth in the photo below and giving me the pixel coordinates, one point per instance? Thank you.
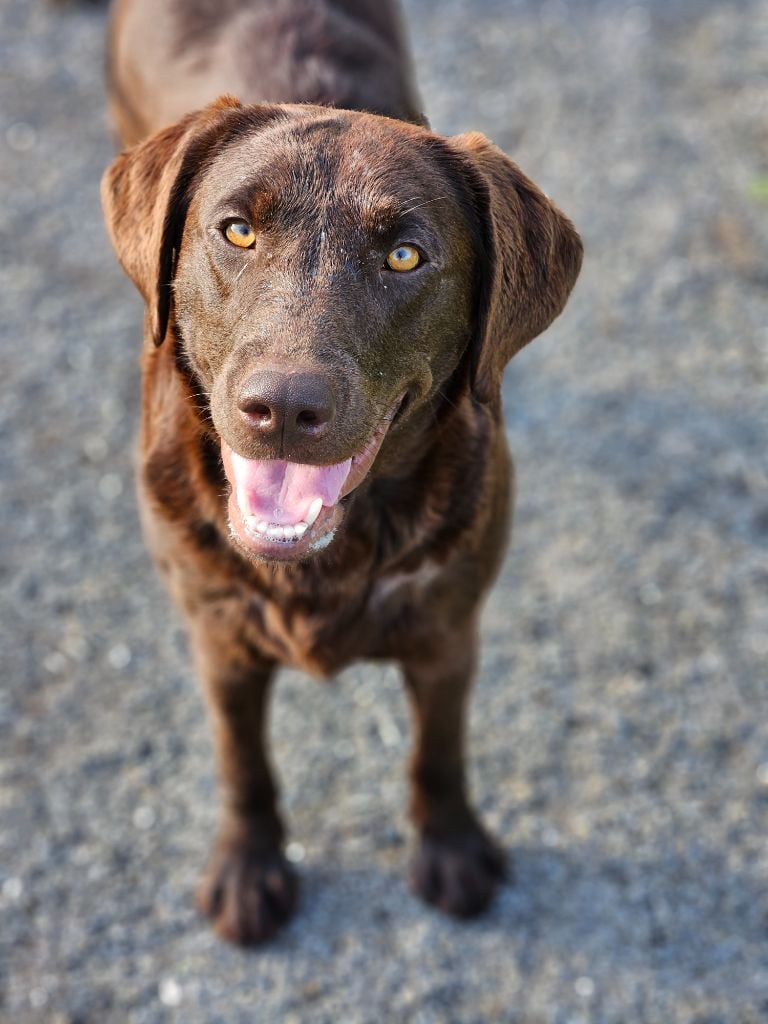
(273, 531)
(314, 511)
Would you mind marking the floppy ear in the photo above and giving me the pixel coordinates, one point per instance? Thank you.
(531, 260)
(146, 191)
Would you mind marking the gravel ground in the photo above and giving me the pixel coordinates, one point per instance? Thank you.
(620, 726)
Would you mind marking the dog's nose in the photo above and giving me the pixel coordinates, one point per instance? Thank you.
(287, 406)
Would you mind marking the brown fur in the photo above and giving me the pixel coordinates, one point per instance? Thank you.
(420, 539)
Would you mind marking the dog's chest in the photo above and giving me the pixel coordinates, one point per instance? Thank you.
(323, 635)
(402, 587)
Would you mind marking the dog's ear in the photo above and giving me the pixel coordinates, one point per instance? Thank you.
(146, 191)
(530, 258)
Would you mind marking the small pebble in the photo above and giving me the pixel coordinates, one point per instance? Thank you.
(81, 856)
(389, 734)
(110, 486)
(55, 663)
(170, 993)
(365, 696)
(144, 817)
(38, 997)
(95, 448)
(12, 888)
(119, 656)
(295, 853)
(21, 137)
(584, 987)
(650, 595)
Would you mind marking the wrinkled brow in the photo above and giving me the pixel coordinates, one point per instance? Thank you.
(376, 214)
(259, 203)
(379, 214)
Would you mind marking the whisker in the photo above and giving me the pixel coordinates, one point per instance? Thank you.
(427, 202)
(443, 395)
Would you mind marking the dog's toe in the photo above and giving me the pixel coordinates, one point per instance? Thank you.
(458, 873)
(247, 895)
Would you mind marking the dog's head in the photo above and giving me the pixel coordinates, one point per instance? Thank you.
(328, 274)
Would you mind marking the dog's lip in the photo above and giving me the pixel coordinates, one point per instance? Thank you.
(364, 459)
(320, 532)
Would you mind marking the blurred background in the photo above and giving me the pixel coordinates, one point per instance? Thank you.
(620, 722)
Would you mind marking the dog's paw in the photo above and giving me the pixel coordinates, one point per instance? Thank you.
(248, 895)
(458, 873)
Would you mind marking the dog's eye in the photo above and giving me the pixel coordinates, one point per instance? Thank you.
(404, 257)
(240, 233)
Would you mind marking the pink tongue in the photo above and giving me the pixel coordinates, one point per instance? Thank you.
(282, 492)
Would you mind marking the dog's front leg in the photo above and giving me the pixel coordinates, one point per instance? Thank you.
(249, 889)
(457, 866)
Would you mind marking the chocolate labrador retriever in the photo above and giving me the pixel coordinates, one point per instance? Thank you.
(332, 293)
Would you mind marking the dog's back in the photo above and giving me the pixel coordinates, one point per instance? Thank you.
(167, 59)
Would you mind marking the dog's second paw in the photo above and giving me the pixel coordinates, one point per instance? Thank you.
(458, 873)
(248, 895)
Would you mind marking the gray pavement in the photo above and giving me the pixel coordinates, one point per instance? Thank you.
(620, 726)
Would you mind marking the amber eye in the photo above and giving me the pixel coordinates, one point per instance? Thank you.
(241, 234)
(404, 257)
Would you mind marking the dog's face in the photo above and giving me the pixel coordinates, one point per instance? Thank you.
(331, 273)
(320, 299)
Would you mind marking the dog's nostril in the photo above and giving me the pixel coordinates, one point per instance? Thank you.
(260, 412)
(257, 412)
(311, 420)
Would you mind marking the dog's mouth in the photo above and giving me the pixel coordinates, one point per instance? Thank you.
(283, 511)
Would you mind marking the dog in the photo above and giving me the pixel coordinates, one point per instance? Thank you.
(332, 292)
